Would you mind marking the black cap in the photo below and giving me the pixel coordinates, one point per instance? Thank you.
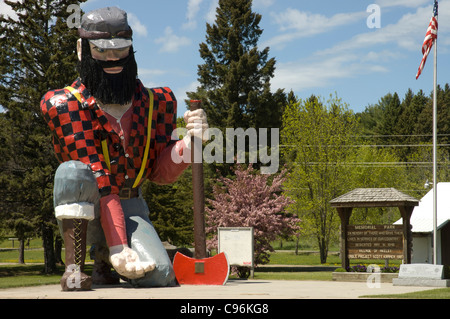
(106, 28)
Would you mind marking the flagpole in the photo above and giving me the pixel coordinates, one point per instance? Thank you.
(429, 41)
(435, 155)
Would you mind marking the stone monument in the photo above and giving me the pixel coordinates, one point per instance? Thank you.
(423, 275)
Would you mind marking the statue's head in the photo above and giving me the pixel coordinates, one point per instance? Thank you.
(107, 64)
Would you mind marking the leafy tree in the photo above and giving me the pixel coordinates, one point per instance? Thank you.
(251, 200)
(374, 167)
(317, 139)
(38, 54)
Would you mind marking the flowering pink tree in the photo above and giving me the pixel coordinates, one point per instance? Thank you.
(250, 200)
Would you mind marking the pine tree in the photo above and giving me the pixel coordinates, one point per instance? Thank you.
(412, 106)
(444, 116)
(38, 54)
(235, 78)
(389, 125)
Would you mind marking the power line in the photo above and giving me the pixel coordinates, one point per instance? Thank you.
(369, 145)
(401, 135)
(374, 164)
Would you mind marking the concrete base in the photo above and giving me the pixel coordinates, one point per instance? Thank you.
(421, 282)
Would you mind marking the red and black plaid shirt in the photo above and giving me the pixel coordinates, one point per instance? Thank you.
(79, 128)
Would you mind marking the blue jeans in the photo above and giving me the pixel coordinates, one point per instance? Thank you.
(75, 183)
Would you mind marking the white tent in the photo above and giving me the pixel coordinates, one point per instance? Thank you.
(422, 227)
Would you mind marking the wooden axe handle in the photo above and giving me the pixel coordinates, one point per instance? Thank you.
(199, 195)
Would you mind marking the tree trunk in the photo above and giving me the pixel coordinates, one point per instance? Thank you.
(323, 249)
(21, 251)
(49, 252)
(58, 249)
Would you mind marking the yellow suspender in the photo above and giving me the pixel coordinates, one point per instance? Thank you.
(106, 154)
(105, 144)
(149, 136)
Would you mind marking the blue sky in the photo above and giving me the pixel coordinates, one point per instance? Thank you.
(322, 47)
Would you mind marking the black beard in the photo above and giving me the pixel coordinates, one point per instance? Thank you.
(108, 88)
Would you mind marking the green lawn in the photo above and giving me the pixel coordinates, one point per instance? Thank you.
(26, 275)
(309, 275)
(303, 258)
(440, 293)
(30, 274)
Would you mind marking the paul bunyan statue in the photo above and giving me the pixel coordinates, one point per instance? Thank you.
(110, 133)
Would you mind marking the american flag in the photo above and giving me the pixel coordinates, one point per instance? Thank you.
(429, 38)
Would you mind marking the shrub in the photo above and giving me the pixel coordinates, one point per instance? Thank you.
(250, 200)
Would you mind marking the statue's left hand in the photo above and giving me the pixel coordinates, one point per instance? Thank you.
(126, 262)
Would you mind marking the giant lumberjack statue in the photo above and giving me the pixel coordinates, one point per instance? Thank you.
(109, 134)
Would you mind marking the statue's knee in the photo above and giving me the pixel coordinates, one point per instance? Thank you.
(75, 191)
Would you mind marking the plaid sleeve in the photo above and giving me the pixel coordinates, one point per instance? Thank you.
(165, 106)
(166, 119)
(76, 135)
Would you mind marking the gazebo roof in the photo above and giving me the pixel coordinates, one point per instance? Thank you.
(374, 197)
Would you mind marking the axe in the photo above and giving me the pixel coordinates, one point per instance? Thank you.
(199, 270)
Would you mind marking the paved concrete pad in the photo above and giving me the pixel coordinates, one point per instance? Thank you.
(234, 289)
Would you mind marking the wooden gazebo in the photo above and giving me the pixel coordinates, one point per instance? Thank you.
(375, 197)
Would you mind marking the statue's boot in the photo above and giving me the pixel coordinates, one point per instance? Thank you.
(74, 234)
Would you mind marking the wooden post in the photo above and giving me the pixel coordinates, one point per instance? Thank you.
(406, 212)
(198, 193)
(344, 214)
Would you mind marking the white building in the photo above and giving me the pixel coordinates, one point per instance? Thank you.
(422, 227)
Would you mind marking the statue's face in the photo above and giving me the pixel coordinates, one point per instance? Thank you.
(109, 74)
(109, 55)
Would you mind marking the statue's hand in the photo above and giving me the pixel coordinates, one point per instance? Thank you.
(196, 125)
(126, 262)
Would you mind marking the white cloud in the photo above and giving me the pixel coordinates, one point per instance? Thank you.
(313, 23)
(151, 72)
(263, 3)
(136, 25)
(7, 10)
(182, 96)
(211, 14)
(171, 43)
(407, 33)
(152, 77)
(402, 3)
(369, 52)
(193, 8)
(299, 24)
(319, 72)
